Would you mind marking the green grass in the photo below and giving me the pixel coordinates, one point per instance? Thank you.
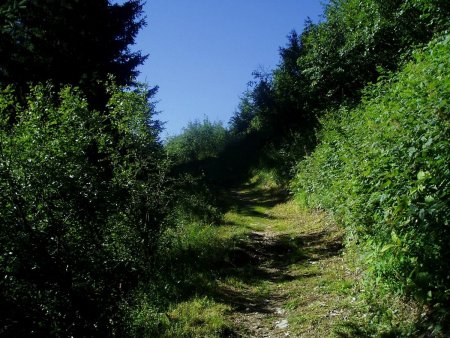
(268, 260)
(199, 317)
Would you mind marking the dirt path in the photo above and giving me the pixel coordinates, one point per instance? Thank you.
(285, 277)
(262, 316)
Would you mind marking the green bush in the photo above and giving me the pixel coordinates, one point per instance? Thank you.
(357, 39)
(196, 201)
(198, 141)
(383, 169)
(82, 201)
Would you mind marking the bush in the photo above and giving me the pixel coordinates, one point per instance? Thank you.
(198, 141)
(82, 203)
(383, 169)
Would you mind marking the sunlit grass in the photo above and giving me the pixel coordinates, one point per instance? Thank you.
(267, 254)
(319, 297)
(199, 317)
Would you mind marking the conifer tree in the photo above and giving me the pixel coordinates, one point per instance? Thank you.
(76, 42)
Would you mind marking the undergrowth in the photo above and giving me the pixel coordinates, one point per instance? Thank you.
(176, 302)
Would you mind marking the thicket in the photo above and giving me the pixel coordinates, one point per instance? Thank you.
(85, 190)
(383, 169)
(83, 197)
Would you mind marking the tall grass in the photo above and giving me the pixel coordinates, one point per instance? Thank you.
(176, 302)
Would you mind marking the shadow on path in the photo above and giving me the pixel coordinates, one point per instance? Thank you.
(247, 272)
(249, 202)
(262, 258)
(266, 258)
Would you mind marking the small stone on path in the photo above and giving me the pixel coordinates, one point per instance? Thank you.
(280, 311)
(282, 324)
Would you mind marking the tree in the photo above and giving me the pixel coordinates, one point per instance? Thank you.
(198, 141)
(241, 120)
(346, 51)
(77, 42)
(277, 103)
(295, 107)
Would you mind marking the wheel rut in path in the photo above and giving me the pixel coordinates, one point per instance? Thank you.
(268, 264)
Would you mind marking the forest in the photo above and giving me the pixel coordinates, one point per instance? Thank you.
(321, 209)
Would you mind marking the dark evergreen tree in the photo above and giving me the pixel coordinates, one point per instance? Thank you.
(77, 42)
(289, 87)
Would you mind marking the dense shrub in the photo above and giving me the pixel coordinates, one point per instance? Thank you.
(383, 168)
(357, 39)
(198, 141)
(82, 201)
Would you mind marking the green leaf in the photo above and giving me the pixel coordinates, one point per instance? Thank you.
(395, 238)
(388, 247)
(423, 175)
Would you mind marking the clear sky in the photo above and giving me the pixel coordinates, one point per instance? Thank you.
(203, 52)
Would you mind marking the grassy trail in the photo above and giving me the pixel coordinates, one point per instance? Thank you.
(287, 277)
(271, 270)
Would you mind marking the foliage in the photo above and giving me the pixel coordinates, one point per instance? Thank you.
(198, 318)
(295, 109)
(330, 63)
(83, 197)
(78, 43)
(358, 39)
(197, 200)
(182, 271)
(272, 105)
(383, 169)
(198, 141)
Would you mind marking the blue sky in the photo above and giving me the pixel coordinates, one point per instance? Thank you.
(203, 52)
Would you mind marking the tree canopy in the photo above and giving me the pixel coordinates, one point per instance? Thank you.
(69, 42)
(330, 62)
(198, 141)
